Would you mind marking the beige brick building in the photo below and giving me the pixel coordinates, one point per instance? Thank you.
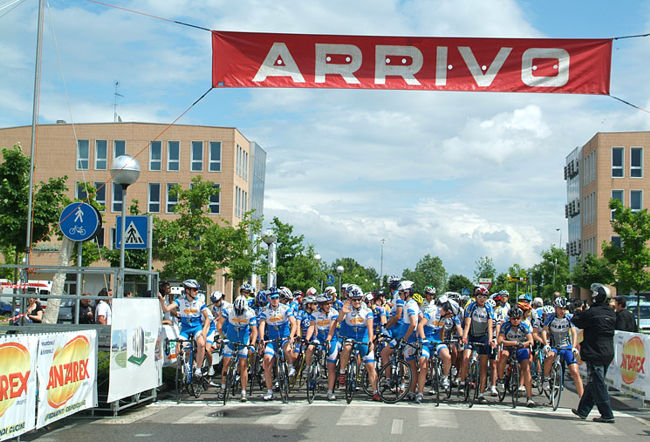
(219, 154)
(609, 165)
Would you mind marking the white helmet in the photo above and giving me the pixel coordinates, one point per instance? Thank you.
(406, 286)
(538, 302)
(216, 296)
(330, 290)
(240, 305)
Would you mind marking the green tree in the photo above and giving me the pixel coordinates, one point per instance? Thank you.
(49, 200)
(457, 283)
(552, 273)
(631, 259)
(592, 269)
(355, 273)
(244, 256)
(428, 271)
(484, 268)
(289, 247)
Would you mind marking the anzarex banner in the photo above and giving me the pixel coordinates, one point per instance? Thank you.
(569, 66)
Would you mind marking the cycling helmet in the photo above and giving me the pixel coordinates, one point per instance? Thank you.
(523, 305)
(406, 286)
(311, 299)
(430, 290)
(246, 287)
(498, 298)
(455, 308)
(491, 302)
(261, 298)
(538, 302)
(323, 298)
(393, 282)
(560, 302)
(191, 284)
(442, 299)
(310, 291)
(418, 298)
(354, 292)
(481, 291)
(330, 290)
(547, 310)
(525, 297)
(216, 296)
(464, 299)
(285, 293)
(273, 293)
(599, 293)
(516, 312)
(504, 293)
(455, 296)
(240, 305)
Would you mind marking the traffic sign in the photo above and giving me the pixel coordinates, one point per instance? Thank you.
(135, 232)
(485, 282)
(517, 279)
(79, 221)
(569, 288)
(330, 279)
(465, 292)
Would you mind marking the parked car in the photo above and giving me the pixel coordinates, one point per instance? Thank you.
(645, 313)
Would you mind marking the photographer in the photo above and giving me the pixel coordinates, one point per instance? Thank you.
(597, 350)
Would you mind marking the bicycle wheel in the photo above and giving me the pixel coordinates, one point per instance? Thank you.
(350, 380)
(514, 383)
(555, 380)
(283, 378)
(364, 381)
(229, 381)
(393, 388)
(179, 378)
(435, 381)
(506, 385)
(472, 383)
(311, 380)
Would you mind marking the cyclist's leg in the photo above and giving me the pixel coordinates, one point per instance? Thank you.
(200, 349)
(423, 365)
(332, 356)
(308, 354)
(483, 372)
(523, 357)
(410, 358)
(548, 362)
(572, 363)
(345, 356)
(243, 368)
(464, 364)
(368, 358)
(267, 364)
(227, 357)
(445, 356)
(288, 352)
(503, 360)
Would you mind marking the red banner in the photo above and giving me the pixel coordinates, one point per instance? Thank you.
(575, 66)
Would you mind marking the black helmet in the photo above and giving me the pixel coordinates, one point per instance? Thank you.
(599, 293)
(516, 312)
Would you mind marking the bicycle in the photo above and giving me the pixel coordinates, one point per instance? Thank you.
(537, 371)
(511, 377)
(352, 369)
(185, 379)
(299, 364)
(435, 373)
(317, 366)
(281, 367)
(556, 379)
(394, 378)
(256, 372)
(232, 378)
(473, 376)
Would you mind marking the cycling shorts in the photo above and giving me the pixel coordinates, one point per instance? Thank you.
(567, 355)
(480, 349)
(270, 347)
(431, 347)
(410, 353)
(523, 354)
(368, 357)
(333, 352)
(211, 335)
(196, 331)
(229, 351)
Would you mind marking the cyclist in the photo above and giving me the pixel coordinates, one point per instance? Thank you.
(191, 310)
(219, 304)
(563, 334)
(304, 318)
(356, 324)
(453, 331)
(261, 301)
(241, 327)
(516, 334)
(429, 294)
(500, 317)
(209, 340)
(282, 324)
(479, 328)
(379, 313)
(408, 330)
(323, 329)
(394, 327)
(430, 332)
(336, 303)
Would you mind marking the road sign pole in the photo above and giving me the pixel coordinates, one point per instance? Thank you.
(150, 253)
(120, 287)
(80, 246)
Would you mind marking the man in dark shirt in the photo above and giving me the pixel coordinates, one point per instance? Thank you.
(624, 318)
(86, 314)
(597, 350)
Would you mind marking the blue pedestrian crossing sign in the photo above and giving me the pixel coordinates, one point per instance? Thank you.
(79, 221)
(465, 292)
(330, 279)
(135, 232)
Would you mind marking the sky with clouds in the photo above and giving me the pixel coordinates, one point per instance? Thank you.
(453, 174)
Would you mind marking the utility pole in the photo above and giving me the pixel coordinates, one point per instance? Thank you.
(381, 264)
(116, 117)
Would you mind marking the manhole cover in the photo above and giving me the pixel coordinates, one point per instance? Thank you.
(244, 412)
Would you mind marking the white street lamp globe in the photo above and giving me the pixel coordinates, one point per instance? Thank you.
(269, 237)
(125, 170)
(317, 257)
(339, 269)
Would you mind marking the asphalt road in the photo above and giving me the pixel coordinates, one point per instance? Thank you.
(207, 419)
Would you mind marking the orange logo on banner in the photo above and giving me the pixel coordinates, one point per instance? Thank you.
(633, 360)
(69, 369)
(14, 373)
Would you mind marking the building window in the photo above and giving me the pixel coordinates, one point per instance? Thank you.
(116, 202)
(101, 154)
(100, 195)
(119, 148)
(636, 200)
(197, 156)
(245, 171)
(617, 195)
(636, 162)
(82, 154)
(238, 161)
(155, 155)
(215, 156)
(173, 156)
(215, 200)
(617, 162)
(99, 237)
(154, 198)
(80, 191)
(171, 199)
(237, 199)
(616, 241)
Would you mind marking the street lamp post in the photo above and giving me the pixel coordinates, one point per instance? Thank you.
(318, 259)
(381, 264)
(559, 246)
(269, 238)
(340, 270)
(125, 171)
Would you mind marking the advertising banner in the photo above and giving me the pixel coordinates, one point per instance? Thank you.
(628, 371)
(136, 347)
(18, 354)
(568, 66)
(67, 374)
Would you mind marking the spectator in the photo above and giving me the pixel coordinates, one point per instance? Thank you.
(86, 315)
(165, 290)
(103, 313)
(597, 350)
(624, 318)
(34, 310)
(128, 294)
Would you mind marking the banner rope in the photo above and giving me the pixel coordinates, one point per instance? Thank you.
(631, 36)
(630, 104)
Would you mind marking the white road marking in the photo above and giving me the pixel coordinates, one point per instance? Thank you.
(359, 416)
(599, 429)
(513, 422)
(129, 418)
(143, 435)
(435, 417)
(288, 416)
(397, 427)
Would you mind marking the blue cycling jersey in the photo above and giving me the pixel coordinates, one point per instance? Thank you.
(479, 318)
(518, 333)
(355, 325)
(277, 320)
(190, 312)
(323, 321)
(559, 329)
(238, 327)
